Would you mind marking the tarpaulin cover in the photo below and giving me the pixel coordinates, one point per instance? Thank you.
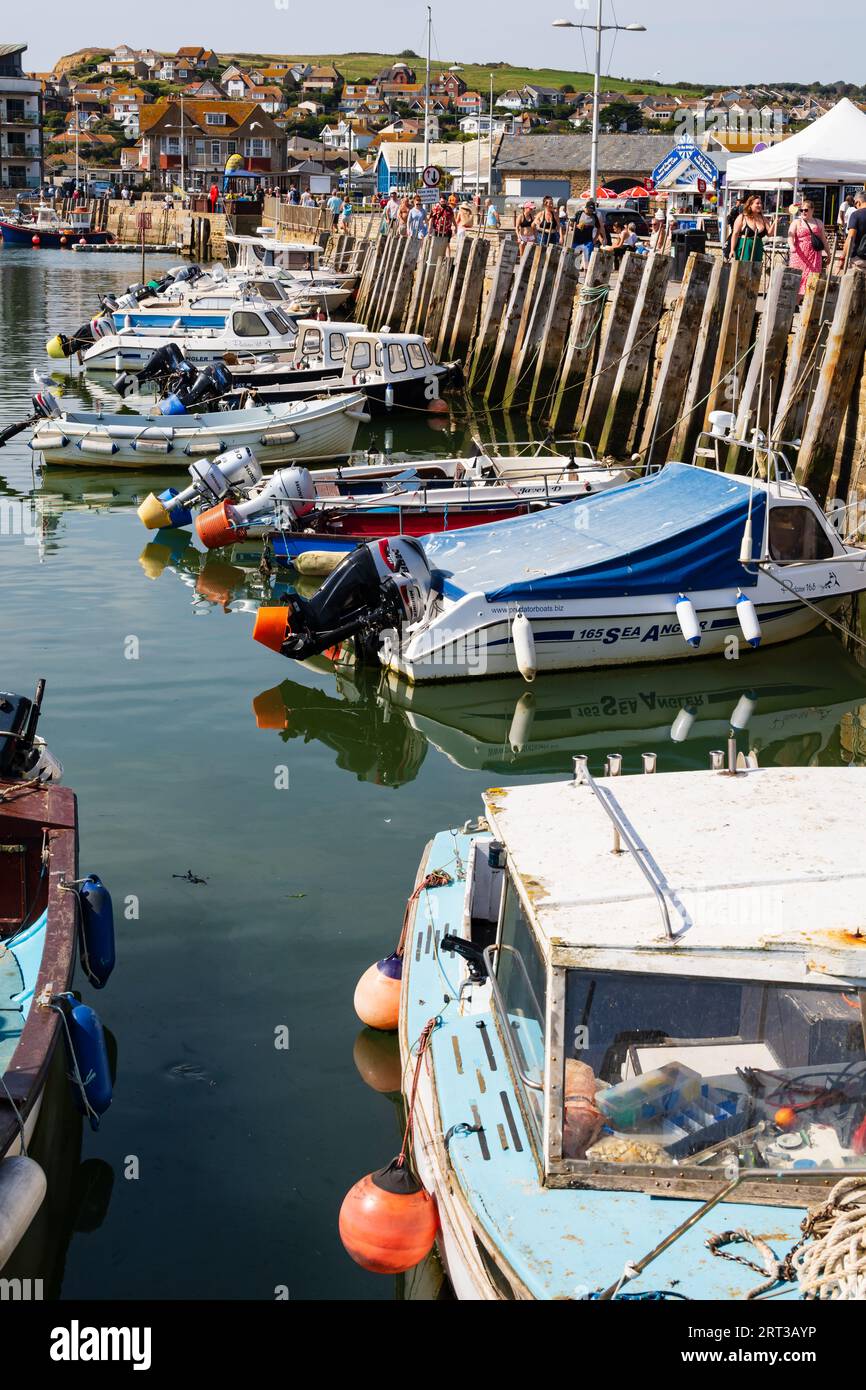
(679, 530)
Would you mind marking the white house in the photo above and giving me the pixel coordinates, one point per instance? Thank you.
(502, 125)
(511, 101)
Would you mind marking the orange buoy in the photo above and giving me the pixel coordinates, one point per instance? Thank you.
(377, 994)
(272, 627)
(437, 406)
(35, 240)
(786, 1117)
(387, 1221)
(377, 1058)
(214, 526)
(63, 241)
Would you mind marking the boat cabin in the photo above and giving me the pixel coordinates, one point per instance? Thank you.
(254, 252)
(325, 341)
(394, 357)
(682, 998)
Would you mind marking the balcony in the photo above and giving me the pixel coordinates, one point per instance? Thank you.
(13, 118)
(169, 161)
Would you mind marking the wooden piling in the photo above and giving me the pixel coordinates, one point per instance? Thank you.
(436, 303)
(765, 368)
(434, 250)
(492, 311)
(613, 340)
(459, 262)
(735, 334)
(507, 335)
(673, 374)
(549, 358)
(804, 356)
(842, 359)
(466, 314)
(637, 351)
(396, 309)
(684, 436)
(519, 385)
(583, 336)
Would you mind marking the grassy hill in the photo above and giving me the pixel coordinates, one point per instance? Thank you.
(476, 75)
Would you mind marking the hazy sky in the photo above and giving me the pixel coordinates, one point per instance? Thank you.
(684, 41)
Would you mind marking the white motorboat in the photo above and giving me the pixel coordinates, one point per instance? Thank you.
(256, 327)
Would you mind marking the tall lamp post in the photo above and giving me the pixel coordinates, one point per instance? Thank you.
(599, 30)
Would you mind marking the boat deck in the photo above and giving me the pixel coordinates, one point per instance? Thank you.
(560, 1243)
(19, 968)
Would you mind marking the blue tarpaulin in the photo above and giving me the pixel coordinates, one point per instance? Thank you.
(679, 530)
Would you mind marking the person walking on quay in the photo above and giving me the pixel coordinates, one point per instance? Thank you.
(846, 212)
(294, 195)
(748, 231)
(588, 231)
(807, 242)
(335, 207)
(491, 216)
(854, 253)
(392, 211)
(524, 226)
(416, 223)
(403, 217)
(546, 223)
(442, 218)
(465, 220)
(346, 213)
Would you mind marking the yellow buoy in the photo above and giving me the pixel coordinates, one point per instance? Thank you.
(153, 514)
(54, 347)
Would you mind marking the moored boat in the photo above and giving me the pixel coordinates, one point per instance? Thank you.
(47, 915)
(586, 1035)
(48, 229)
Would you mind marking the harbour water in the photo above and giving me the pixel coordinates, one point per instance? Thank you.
(260, 842)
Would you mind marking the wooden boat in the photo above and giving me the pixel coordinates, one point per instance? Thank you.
(601, 1006)
(42, 924)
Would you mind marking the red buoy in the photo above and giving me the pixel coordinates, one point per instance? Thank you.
(377, 994)
(387, 1221)
(34, 240)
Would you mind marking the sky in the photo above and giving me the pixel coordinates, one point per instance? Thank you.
(684, 42)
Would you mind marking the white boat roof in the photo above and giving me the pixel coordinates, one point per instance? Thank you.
(333, 325)
(363, 333)
(762, 872)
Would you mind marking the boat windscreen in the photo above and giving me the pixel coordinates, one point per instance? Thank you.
(680, 529)
(701, 1071)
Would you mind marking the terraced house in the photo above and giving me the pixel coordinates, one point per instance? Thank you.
(212, 132)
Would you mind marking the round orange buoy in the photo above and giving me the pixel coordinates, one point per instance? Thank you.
(214, 527)
(437, 406)
(387, 1221)
(272, 627)
(82, 241)
(377, 1058)
(786, 1117)
(63, 241)
(377, 994)
(35, 240)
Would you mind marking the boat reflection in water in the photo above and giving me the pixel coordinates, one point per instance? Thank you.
(793, 705)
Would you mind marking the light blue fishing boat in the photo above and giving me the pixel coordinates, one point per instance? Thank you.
(633, 1044)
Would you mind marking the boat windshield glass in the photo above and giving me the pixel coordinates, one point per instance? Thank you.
(521, 993)
(692, 1071)
(277, 321)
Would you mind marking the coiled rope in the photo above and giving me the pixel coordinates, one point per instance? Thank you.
(833, 1265)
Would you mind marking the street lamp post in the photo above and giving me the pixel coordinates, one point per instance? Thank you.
(599, 30)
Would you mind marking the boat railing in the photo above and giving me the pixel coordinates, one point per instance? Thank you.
(769, 454)
(623, 835)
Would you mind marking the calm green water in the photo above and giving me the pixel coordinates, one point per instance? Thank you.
(245, 1151)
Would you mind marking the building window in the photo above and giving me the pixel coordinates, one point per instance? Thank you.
(215, 118)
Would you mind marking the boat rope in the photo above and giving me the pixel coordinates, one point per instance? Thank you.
(833, 1265)
(20, 789)
(75, 1076)
(19, 1118)
(772, 1269)
(437, 878)
(422, 1045)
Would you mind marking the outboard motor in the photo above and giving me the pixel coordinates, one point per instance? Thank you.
(289, 495)
(23, 756)
(235, 470)
(381, 586)
(46, 405)
(162, 365)
(61, 346)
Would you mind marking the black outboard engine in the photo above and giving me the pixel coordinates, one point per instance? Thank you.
(381, 586)
(209, 385)
(22, 755)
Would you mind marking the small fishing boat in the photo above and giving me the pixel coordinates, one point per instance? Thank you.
(302, 260)
(47, 913)
(205, 306)
(632, 1044)
(48, 229)
(248, 329)
(679, 563)
(309, 429)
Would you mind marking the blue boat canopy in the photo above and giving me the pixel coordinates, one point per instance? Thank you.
(679, 530)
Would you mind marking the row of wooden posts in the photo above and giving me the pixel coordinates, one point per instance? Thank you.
(620, 360)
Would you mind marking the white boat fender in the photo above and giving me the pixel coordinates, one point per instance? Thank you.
(389, 396)
(524, 646)
(748, 619)
(743, 711)
(688, 620)
(521, 722)
(682, 725)
(22, 1191)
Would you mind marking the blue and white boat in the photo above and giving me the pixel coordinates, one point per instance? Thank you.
(249, 329)
(686, 561)
(632, 1044)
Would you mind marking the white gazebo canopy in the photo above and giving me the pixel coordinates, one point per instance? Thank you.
(830, 150)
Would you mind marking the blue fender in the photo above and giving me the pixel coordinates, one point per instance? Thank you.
(97, 931)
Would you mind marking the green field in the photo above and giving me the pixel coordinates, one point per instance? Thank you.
(354, 66)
